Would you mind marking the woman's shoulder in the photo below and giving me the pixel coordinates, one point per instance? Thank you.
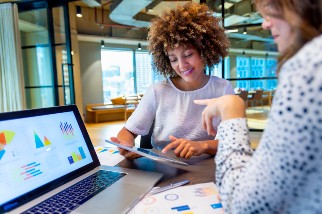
(315, 43)
(217, 80)
(161, 85)
(219, 85)
(312, 49)
(307, 58)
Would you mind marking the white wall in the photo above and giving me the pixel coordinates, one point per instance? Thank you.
(91, 73)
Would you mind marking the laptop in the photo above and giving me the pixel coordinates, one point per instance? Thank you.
(48, 165)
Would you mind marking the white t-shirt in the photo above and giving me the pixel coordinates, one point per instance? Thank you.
(174, 112)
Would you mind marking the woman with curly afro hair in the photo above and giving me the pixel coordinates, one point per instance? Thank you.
(183, 41)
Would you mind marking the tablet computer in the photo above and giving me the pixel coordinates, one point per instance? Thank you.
(148, 154)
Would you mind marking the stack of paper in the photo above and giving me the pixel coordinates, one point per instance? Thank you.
(192, 199)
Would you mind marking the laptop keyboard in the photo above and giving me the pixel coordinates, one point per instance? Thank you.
(71, 198)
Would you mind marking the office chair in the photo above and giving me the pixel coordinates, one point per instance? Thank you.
(145, 141)
(131, 103)
(244, 95)
(257, 97)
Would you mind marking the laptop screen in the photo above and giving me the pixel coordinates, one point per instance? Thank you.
(38, 147)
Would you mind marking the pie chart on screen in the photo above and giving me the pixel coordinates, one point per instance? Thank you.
(5, 139)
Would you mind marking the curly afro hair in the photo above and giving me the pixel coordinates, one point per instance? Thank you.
(190, 24)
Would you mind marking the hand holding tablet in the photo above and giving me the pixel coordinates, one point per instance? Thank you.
(148, 154)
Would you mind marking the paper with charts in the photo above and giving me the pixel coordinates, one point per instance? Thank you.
(192, 199)
(108, 156)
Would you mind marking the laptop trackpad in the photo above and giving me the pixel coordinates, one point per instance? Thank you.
(119, 196)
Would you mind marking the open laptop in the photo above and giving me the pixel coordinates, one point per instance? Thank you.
(48, 165)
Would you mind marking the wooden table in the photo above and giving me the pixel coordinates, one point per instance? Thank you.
(200, 170)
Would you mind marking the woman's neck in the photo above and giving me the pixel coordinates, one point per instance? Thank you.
(190, 86)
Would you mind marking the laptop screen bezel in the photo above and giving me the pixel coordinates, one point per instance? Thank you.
(29, 196)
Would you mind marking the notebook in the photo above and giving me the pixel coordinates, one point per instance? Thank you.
(48, 165)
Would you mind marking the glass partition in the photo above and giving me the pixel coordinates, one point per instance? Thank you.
(37, 60)
(46, 54)
(252, 61)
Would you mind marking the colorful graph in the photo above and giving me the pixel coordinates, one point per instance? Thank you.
(109, 150)
(181, 208)
(202, 192)
(77, 156)
(30, 170)
(5, 139)
(39, 143)
(67, 130)
(216, 206)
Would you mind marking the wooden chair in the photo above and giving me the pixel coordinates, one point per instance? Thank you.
(131, 103)
(244, 95)
(257, 98)
(270, 97)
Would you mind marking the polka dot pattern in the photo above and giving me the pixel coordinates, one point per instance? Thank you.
(284, 174)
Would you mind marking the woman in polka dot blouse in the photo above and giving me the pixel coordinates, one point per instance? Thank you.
(284, 174)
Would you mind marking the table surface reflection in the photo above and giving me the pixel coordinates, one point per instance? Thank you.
(201, 169)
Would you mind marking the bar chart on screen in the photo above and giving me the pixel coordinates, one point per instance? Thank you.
(77, 156)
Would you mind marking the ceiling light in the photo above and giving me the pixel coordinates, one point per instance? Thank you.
(139, 46)
(232, 19)
(231, 31)
(78, 11)
(102, 44)
(227, 5)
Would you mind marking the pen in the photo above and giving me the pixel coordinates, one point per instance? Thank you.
(171, 186)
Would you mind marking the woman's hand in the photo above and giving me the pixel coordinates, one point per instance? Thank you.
(185, 148)
(226, 107)
(127, 154)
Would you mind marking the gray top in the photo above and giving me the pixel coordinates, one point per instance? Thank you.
(174, 112)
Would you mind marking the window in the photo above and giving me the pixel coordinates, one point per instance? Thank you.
(117, 73)
(46, 54)
(145, 73)
(252, 72)
(126, 71)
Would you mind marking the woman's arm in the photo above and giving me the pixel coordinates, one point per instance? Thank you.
(126, 137)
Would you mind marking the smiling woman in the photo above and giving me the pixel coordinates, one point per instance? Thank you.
(183, 41)
(190, 24)
(189, 66)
